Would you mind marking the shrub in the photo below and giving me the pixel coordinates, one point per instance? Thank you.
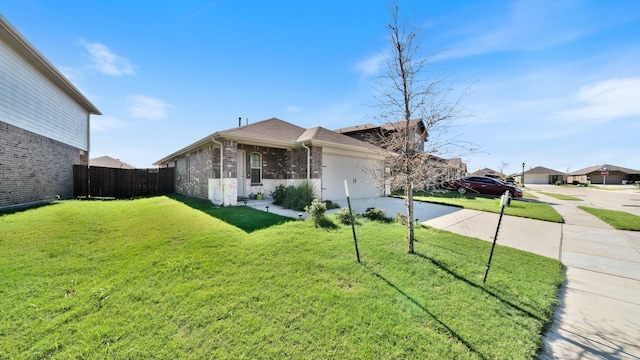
(400, 218)
(278, 194)
(298, 197)
(344, 216)
(331, 205)
(316, 210)
(375, 214)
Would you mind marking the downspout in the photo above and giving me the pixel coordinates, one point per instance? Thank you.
(221, 170)
(308, 161)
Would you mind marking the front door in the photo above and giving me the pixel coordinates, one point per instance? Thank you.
(242, 170)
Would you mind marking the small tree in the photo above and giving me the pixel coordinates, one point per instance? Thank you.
(409, 94)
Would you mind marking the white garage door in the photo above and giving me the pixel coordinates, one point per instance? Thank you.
(338, 168)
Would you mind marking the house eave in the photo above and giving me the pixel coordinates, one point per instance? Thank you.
(19, 44)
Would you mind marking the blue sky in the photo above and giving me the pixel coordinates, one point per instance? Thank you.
(555, 83)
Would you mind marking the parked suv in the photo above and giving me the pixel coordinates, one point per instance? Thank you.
(484, 185)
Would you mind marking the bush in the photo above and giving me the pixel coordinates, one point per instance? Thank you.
(400, 218)
(331, 205)
(375, 214)
(298, 197)
(344, 216)
(316, 210)
(278, 194)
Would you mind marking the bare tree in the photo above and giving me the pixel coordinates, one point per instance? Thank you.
(417, 110)
(503, 165)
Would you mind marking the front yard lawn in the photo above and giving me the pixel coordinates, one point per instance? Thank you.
(561, 196)
(164, 279)
(527, 209)
(617, 219)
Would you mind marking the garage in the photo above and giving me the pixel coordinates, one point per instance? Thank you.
(338, 166)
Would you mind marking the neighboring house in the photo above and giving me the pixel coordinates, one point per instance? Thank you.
(109, 162)
(44, 125)
(441, 169)
(488, 172)
(541, 175)
(593, 175)
(255, 158)
(375, 133)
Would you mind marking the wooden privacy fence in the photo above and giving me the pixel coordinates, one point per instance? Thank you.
(105, 182)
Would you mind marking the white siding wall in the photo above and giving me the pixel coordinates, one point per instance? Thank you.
(536, 178)
(338, 167)
(30, 101)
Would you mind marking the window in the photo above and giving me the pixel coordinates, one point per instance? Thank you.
(256, 168)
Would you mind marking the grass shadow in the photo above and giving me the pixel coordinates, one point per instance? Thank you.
(443, 327)
(13, 209)
(327, 224)
(243, 217)
(444, 268)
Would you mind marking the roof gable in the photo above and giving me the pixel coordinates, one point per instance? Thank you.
(597, 168)
(327, 136)
(273, 129)
(109, 162)
(539, 170)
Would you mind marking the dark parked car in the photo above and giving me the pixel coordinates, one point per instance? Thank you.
(484, 185)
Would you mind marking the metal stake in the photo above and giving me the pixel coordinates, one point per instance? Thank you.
(353, 227)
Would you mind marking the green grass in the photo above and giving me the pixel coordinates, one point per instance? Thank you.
(527, 209)
(618, 219)
(159, 278)
(561, 196)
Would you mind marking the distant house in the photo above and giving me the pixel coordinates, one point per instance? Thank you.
(109, 162)
(488, 172)
(593, 175)
(231, 164)
(443, 169)
(376, 133)
(44, 125)
(541, 175)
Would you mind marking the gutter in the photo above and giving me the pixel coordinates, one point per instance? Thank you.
(221, 170)
(308, 161)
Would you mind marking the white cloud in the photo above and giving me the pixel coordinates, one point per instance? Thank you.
(102, 123)
(372, 65)
(107, 62)
(293, 109)
(605, 101)
(147, 107)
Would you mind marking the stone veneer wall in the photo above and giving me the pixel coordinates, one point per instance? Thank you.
(34, 168)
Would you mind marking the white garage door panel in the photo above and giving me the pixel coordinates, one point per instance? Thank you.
(336, 169)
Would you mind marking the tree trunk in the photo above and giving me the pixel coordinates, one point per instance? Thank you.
(410, 215)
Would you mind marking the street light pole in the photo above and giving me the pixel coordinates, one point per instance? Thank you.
(522, 174)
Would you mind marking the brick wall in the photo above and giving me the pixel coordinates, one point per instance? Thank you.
(193, 172)
(277, 164)
(35, 168)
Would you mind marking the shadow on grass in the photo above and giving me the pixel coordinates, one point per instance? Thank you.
(245, 218)
(327, 224)
(446, 329)
(444, 268)
(26, 207)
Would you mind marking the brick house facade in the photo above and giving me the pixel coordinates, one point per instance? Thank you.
(258, 157)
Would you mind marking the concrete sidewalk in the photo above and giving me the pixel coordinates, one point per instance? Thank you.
(598, 316)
